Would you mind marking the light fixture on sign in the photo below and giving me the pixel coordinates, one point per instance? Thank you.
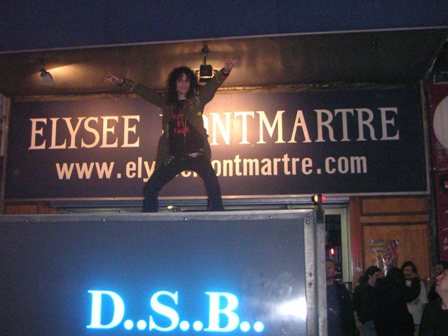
(45, 76)
(205, 72)
(318, 199)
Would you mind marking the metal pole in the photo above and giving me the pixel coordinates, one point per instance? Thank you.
(5, 105)
(321, 271)
(316, 286)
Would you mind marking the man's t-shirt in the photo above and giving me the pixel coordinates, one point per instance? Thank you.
(416, 306)
(183, 139)
(333, 312)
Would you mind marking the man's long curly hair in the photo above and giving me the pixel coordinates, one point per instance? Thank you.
(174, 76)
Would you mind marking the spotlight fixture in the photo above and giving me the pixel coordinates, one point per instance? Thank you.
(45, 76)
(318, 199)
(205, 72)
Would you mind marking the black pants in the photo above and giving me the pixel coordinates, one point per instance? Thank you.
(175, 165)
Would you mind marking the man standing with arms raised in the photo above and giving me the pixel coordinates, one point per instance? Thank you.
(183, 144)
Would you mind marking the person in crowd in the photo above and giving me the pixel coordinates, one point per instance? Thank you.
(340, 316)
(417, 305)
(391, 315)
(363, 301)
(183, 144)
(439, 268)
(435, 316)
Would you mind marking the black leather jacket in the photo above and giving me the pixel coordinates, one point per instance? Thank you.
(193, 110)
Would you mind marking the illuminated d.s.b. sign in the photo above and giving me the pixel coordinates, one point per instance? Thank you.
(222, 314)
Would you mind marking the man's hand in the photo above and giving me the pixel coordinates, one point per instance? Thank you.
(114, 80)
(230, 62)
